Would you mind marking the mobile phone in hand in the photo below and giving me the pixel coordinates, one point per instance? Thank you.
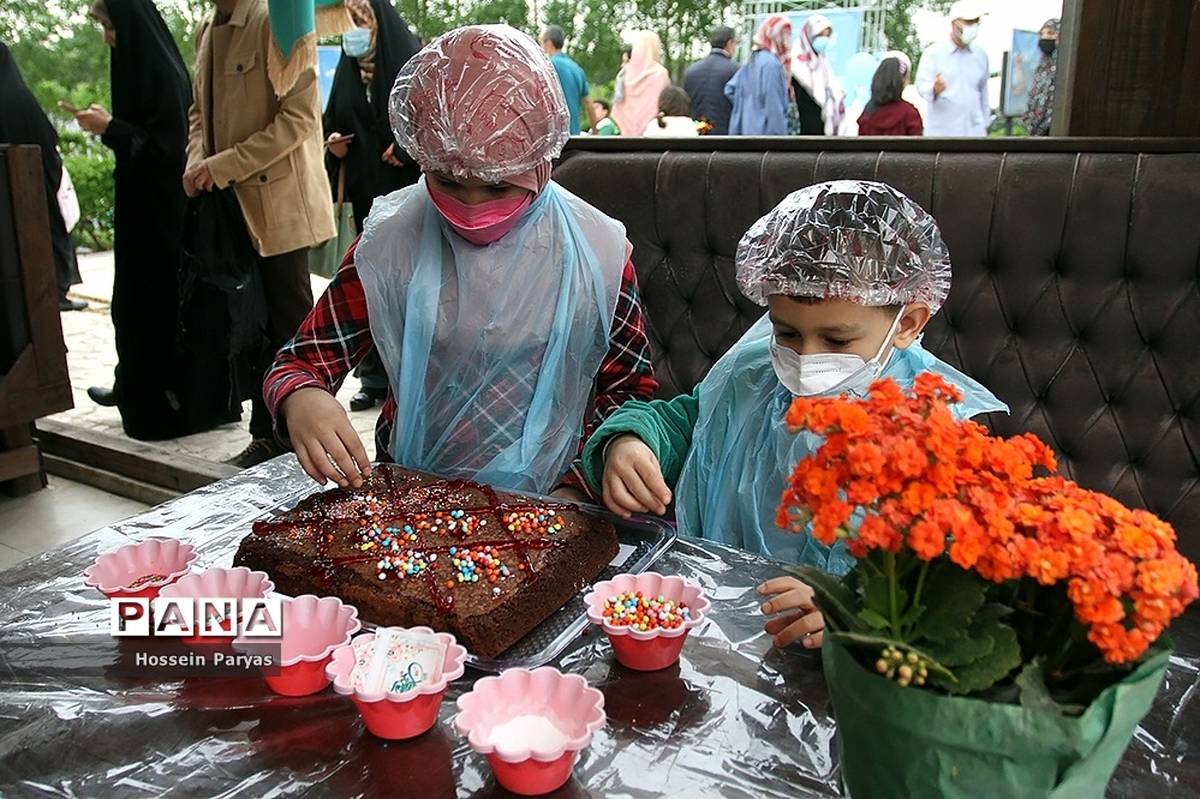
(339, 139)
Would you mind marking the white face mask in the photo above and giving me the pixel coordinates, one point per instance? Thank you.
(969, 32)
(829, 373)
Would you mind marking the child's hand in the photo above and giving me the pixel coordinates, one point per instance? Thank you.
(802, 620)
(325, 442)
(633, 480)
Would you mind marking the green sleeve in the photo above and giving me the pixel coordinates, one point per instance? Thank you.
(665, 425)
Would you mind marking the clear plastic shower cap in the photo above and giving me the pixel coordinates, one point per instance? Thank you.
(481, 101)
(853, 240)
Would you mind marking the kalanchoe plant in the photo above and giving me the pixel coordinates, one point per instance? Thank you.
(980, 571)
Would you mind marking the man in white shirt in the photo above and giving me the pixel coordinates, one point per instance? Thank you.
(953, 78)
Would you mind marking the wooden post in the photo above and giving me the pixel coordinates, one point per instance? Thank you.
(1128, 68)
(33, 366)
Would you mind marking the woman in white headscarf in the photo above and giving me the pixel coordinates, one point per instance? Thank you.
(819, 94)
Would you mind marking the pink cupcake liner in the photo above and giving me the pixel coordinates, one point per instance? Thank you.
(141, 569)
(647, 650)
(393, 715)
(312, 628)
(523, 764)
(237, 582)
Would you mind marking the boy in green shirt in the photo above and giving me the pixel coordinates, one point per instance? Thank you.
(604, 122)
(851, 272)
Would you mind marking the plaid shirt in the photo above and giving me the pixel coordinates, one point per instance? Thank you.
(336, 336)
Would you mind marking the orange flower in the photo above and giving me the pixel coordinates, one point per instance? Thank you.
(875, 533)
(927, 539)
(921, 479)
(1107, 611)
(1135, 541)
(908, 458)
(853, 419)
(865, 459)
(1077, 523)
(1049, 565)
(1164, 576)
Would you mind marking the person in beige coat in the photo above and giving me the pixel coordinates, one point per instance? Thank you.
(263, 140)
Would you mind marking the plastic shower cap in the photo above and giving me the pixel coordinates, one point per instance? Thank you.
(481, 101)
(846, 239)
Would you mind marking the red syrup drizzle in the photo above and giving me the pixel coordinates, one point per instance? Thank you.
(425, 497)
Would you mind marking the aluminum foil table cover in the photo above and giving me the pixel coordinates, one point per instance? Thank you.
(735, 718)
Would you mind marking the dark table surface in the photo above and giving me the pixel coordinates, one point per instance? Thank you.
(735, 718)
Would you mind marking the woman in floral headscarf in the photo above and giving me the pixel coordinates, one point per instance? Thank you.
(819, 95)
(1039, 111)
(504, 308)
(759, 91)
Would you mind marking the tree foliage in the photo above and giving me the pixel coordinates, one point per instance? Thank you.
(899, 29)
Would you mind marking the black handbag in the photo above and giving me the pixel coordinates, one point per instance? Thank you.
(222, 333)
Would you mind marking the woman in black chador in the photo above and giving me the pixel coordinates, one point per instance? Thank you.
(147, 132)
(22, 121)
(372, 54)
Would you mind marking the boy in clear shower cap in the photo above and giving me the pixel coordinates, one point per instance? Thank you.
(851, 272)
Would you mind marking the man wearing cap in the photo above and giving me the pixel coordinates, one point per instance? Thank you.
(953, 76)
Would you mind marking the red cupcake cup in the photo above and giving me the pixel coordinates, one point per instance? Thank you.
(140, 570)
(237, 582)
(531, 726)
(312, 628)
(654, 649)
(397, 715)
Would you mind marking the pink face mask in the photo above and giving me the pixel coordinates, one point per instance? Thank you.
(484, 223)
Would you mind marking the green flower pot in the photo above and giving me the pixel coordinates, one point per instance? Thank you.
(910, 742)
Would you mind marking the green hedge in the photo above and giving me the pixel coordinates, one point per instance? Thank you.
(91, 166)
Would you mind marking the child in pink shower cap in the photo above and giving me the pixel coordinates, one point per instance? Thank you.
(504, 309)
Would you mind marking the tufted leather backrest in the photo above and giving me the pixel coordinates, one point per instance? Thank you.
(1076, 294)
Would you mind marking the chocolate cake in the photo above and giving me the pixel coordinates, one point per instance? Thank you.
(408, 548)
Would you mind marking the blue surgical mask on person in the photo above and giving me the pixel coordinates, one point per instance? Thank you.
(821, 44)
(969, 32)
(356, 42)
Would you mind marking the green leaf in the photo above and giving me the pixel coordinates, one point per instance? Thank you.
(1032, 684)
(911, 615)
(878, 643)
(965, 648)
(872, 619)
(991, 668)
(992, 611)
(875, 590)
(952, 597)
(1035, 695)
(835, 600)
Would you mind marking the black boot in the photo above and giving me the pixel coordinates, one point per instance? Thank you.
(106, 397)
(367, 398)
(66, 304)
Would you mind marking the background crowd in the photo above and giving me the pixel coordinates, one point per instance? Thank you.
(264, 161)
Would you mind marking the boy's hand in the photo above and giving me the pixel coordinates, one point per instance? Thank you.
(633, 480)
(798, 618)
(325, 442)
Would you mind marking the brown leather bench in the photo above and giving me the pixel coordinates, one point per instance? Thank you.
(1076, 292)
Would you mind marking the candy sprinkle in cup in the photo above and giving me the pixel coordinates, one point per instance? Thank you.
(647, 616)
